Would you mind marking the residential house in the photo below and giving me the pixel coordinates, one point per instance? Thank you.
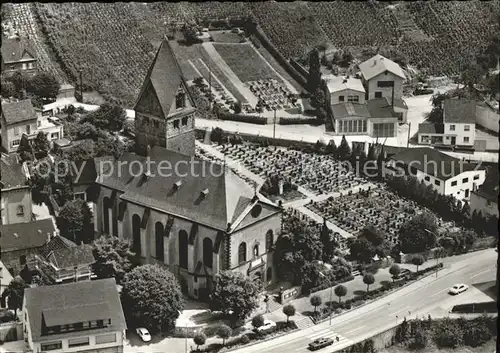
(18, 54)
(83, 177)
(484, 199)
(62, 261)
(192, 224)
(383, 78)
(21, 118)
(5, 279)
(488, 115)
(344, 89)
(16, 205)
(458, 128)
(445, 174)
(74, 317)
(20, 242)
(375, 118)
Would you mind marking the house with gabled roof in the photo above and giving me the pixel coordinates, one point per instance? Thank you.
(74, 317)
(16, 204)
(191, 216)
(18, 54)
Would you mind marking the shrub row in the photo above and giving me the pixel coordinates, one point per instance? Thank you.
(252, 119)
(299, 67)
(327, 285)
(281, 326)
(300, 121)
(481, 307)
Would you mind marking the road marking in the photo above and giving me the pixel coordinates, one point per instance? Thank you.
(357, 329)
(480, 273)
(441, 291)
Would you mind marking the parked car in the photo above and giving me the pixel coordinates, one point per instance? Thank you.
(458, 288)
(143, 333)
(320, 343)
(268, 326)
(403, 273)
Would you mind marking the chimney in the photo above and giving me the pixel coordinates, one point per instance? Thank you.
(177, 184)
(204, 193)
(374, 62)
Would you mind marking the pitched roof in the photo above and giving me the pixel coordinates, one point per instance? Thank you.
(339, 83)
(459, 111)
(12, 173)
(379, 64)
(350, 109)
(430, 128)
(87, 170)
(56, 243)
(426, 159)
(72, 256)
(13, 49)
(380, 108)
(17, 112)
(400, 103)
(164, 75)
(489, 189)
(29, 235)
(225, 195)
(72, 303)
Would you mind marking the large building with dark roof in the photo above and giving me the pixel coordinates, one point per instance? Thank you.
(190, 216)
(75, 317)
(445, 174)
(18, 54)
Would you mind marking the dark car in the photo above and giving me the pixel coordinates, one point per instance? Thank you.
(404, 273)
(320, 343)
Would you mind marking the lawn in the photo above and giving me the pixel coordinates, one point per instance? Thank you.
(245, 62)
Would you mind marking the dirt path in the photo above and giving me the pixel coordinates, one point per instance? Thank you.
(212, 52)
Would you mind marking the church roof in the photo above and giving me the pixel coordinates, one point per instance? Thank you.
(190, 188)
(164, 75)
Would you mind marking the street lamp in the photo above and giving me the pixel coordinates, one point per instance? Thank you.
(331, 294)
(437, 253)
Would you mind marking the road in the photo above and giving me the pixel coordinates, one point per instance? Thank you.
(427, 296)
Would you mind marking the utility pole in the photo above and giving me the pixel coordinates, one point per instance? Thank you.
(409, 129)
(210, 85)
(274, 127)
(81, 85)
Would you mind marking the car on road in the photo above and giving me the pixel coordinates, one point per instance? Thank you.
(320, 343)
(143, 333)
(458, 288)
(268, 326)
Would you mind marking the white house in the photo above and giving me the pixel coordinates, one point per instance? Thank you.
(458, 127)
(445, 174)
(344, 89)
(484, 199)
(75, 317)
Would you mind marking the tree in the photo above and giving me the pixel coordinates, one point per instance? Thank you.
(224, 332)
(25, 150)
(288, 310)
(108, 116)
(314, 79)
(340, 291)
(318, 99)
(344, 151)
(417, 234)
(368, 279)
(44, 85)
(41, 145)
(113, 257)
(237, 107)
(331, 148)
(258, 321)
(326, 240)
(80, 152)
(15, 294)
(20, 80)
(361, 249)
(315, 301)
(199, 339)
(417, 260)
(346, 59)
(234, 292)
(87, 131)
(394, 270)
(8, 89)
(73, 219)
(110, 146)
(151, 296)
(216, 135)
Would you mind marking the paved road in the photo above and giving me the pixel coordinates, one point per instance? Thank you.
(427, 296)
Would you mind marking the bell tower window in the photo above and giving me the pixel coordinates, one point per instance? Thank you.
(180, 99)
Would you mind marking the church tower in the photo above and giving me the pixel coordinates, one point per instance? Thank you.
(164, 111)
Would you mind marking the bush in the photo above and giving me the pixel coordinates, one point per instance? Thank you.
(252, 119)
(448, 334)
(244, 339)
(258, 321)
(477, 334)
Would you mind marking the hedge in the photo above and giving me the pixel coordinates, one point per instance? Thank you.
(328, 285)
(300, 121)
(299, 68)
(481, 307)
(252, 119)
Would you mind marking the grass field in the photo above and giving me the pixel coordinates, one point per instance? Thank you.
(245, 62)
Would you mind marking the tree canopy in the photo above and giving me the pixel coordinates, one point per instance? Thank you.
(151, 296)
(234, 294)
(74, 219)
(417, 234)
(43, 85)
(113, 257)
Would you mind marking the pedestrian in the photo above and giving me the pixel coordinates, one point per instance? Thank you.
(337, 338)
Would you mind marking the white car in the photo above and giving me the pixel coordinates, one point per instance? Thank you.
(267, 327)
(458, 288)
(143, 334)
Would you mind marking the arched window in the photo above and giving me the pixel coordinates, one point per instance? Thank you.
(183, 249)
(20, 210)
(208, 251)
(136, 234)
(106, 205)
(242, 253)
(256, 250)
(159, 231)
(269, 239)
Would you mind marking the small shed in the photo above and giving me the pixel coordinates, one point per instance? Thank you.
(66, 91)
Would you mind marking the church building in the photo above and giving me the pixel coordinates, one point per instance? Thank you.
(196, 219)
